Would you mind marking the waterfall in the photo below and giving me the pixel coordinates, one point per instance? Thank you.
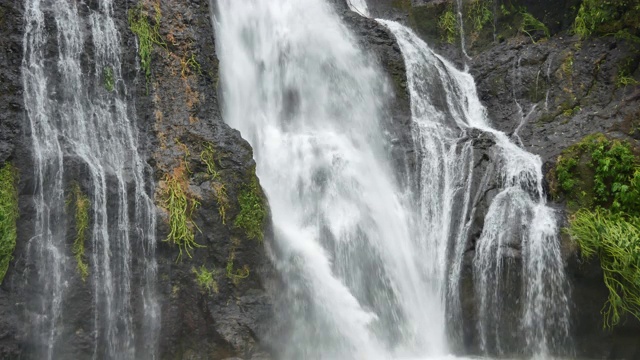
(444, 100)
(77, 118)
(363, 279)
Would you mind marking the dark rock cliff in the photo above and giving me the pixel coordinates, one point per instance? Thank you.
(188, 141)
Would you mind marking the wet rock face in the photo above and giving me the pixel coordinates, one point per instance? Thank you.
(12, 149)
(179, 118)
(188, 138)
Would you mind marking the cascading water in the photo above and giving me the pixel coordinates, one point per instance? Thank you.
(518, 217)
(78, 118)
(371, 270)
(362, 283)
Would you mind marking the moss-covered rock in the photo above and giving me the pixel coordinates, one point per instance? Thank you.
(8, 215)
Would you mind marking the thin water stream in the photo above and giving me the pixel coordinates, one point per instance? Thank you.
(76, 119)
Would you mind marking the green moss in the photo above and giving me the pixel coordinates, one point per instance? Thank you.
(571, 111)
(448, 25)
(615, 240)
(8, 216)
(253, 210)
(205, 279)
(180, 205)
(81, 208)
(109, 82)
(147, 34)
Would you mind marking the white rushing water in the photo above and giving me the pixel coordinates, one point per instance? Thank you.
(517, 220)
(362, 282)
(73, 117)
(372, 271)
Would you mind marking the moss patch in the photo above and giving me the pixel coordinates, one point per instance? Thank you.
(8, 216)
(253, 209)
(205, 279)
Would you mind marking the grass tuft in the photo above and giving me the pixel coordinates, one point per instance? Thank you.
(615, 239)
(208, 158)
(147, 34)
(531, 25)
(180, 205)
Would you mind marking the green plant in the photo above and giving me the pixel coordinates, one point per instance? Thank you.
(180, 205)
(236, 274)
(190, 63)
(480, 14)
(615, 239)
(253, 211)
(567, 65)
(208, 158)
(448, 25)
(206, 279)
(147, 34)
(614, 180)
(530, 25)
(625, 79)
(9, 214)
(620, 17)
(81, 205)
(504, 11)
(109, 82)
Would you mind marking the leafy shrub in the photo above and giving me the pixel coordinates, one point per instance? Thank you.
(608, 17)
(448, 25)
(608, 224)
